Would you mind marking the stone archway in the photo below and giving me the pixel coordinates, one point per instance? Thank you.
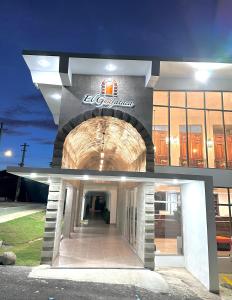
(103, 113)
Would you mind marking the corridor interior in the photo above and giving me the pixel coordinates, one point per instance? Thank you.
(95, 242)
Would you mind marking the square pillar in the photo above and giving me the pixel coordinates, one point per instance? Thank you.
(145, 224)
(68, 211)
(54, 214)
(199, 232)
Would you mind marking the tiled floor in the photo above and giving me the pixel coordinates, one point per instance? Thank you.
(97, 246)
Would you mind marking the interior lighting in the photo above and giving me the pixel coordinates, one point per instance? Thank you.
(44, 63)
(175, 181)
(86, 177)
(8, 153)
(123, 178)
(101, 161)
(56, 96)
(111, 67)
(102, 154)
(209, 143)
(202, 75)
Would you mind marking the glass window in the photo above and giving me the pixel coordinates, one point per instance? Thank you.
(213, 100)
(177, 99)
(215, 140)
(223, 221)
(160, 98)
(228, 129)
(195, 99)
(178, 137)
(227, 99)
(196, 138)
(160, 135)
(168, 220)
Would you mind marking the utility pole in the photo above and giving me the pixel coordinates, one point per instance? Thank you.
(21, 164)
(24, 150)
(1, 131)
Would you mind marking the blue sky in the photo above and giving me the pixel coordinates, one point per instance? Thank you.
(167, 28)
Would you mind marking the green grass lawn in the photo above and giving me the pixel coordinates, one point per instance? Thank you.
(24, 237)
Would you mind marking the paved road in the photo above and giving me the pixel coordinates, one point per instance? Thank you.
(14, 284)
(11, 210)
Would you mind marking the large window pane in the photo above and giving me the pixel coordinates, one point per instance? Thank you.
(196, 138)
(195, 99)
(160, 135)
(228, 128)
(227, 99)
(213, 100)
(168, 233)
(223, 221)
(215, 140)
(177, 99)
(178, 137)
(160, 98)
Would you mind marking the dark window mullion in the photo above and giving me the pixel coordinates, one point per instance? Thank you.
(206, 134)
(224, 131)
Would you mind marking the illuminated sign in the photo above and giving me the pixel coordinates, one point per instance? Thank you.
(108, 96)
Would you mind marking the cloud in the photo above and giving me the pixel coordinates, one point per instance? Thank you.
(38, 123)
(36, 98)
(14, 132)
(42, 141)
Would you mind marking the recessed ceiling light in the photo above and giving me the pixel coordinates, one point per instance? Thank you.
(202, 75)
(86, 177)
(56, 96)
(33, 175)
(111, 67)
(44, 63)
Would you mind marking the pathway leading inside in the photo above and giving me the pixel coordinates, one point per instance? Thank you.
(97, 245)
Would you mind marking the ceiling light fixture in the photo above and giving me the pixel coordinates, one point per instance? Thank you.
(123, 178)
(86, 177)
(102, 154)
(175, 181)
(33, 175)
(111, 67)
(44, 63)
(202, 75)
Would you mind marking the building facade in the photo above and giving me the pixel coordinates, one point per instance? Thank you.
(164, 124)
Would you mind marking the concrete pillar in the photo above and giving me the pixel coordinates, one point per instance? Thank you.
(200, 250)
(54, 213)
(68, 211)
(74, 208)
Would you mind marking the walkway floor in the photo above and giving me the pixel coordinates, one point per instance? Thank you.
(13, 210)
(97, 245)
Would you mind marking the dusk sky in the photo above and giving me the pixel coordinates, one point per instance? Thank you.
(166, 28)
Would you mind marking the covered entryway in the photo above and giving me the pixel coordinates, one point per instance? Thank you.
(97, 245)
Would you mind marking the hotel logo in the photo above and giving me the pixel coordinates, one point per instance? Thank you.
(108, 97)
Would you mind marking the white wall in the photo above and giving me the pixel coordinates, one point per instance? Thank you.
(198, 234)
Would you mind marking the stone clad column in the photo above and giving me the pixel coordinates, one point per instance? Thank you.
(149, 248)
(54, 214)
